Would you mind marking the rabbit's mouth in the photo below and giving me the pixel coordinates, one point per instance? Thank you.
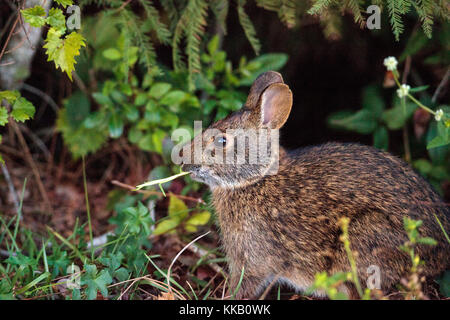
(199, 173)
(195, 171)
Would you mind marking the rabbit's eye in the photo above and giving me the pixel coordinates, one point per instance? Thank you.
(221, 141)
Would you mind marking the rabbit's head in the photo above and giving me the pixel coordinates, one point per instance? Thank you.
(243, 147)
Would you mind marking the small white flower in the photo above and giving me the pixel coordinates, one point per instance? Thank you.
(403, 90)
(390, 63)
(438, 115)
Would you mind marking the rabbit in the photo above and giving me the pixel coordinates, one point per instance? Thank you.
(284, 227)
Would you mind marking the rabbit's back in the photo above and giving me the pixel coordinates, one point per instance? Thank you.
(287, 224)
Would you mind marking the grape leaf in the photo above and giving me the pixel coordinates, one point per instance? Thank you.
(35, 16)
(10, 96)
(63, 51)
(64, 3)
(3, 116)
(56, 19)
(22, 110)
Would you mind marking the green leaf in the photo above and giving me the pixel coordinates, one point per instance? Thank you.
(112, 54)
(427, 241)
(396, 117)
(423, 166)
(141, 99)
(197, 219)
(443, 137)
(438, 141)
(22, 110)
(56, 19)
(444, 284)
(157, 90)
(165, 226)
(157, 140)
(64, 3)
(177, 209)
(381, 138)
(372, 100)
(35, 16)
(173, 98)
(10, 96)
(134, 135)
(102, 99)
(95, 281)
(263, 63)
(115, 125)
(3, 116)
(418, 89)
(63, 51)
(122, 274)
(77, 107)
(363, 121)
(213, 45)
(146, 143)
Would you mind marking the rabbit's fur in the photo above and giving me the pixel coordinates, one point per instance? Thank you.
(285, 226)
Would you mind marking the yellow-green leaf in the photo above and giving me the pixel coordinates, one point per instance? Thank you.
(199, 218)
(3, 116)
(177, 209)
(34, 16)
(63, 51)
(165, 226)
(56, 19)
(22, 110)
(10, 96)
(64, 3)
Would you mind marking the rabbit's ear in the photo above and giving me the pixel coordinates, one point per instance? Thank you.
(259, 85)
(275, 104)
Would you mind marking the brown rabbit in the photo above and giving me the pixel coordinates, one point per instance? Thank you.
(285, 226)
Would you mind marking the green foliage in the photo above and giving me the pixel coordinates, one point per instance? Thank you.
(60, 49)
(146, 110)
(179, 216)
(35, 16)
(63, 50)
(95, 281)
(16, 107)
(330, 284)
(426, 10)
(373, 118)
(247, 24)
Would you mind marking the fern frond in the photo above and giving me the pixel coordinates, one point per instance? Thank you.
(319, 6)
(287, 12)
(132, 24)
(161, 30)
(271, 5)
(355, 8)
(332, 24)
(197, 10)
(248, 27)
(192, 24)
(220, 10)
(424, 9)
(178, 63)
(172, 12)
(395, 18)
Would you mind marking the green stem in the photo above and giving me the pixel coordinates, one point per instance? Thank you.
(420, 104)
(395, 73)
(88, 210)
